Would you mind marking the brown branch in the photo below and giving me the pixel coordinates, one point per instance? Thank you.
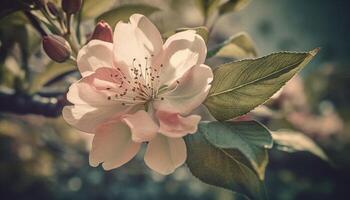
(24, 104)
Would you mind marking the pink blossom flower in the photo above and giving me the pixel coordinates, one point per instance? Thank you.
(139, 90)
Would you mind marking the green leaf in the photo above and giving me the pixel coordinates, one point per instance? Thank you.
(233, 6)
(201, 30)
(52, 71)
(238, 87)
(292, 141)
(10, 34)
(238, 46)
(207, 7)
(92, 9)
(124, 12)
(13, 19)
(249, 137)
(222, 167)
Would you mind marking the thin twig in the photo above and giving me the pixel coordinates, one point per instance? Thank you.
(12, 102)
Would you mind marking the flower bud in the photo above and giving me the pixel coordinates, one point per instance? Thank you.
(52, 9)
(71, 6)
(102, 32)
(57, 48)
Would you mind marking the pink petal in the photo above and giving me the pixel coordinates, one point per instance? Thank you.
(138, 39)
(112, 146)
(91, 104)
(98, 88)
(174, 125)
(94, 55)
(164, 154)
(142, 126)
(192, 90)
(86, 118)
(182, 51)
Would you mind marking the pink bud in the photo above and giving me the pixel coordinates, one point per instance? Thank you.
(102, 32)
(71, 6)
(57, 48)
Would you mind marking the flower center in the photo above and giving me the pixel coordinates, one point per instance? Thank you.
(139, 86)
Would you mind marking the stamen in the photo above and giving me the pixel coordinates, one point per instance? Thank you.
(140, 85)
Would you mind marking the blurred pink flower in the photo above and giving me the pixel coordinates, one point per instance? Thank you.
(139, 90)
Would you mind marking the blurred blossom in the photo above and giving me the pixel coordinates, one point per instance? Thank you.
(295, 104)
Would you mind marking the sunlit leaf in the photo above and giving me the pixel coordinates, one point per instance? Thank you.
(52, 71)
(249, 137)
(125, 11)
(201, 30)
(292, 141)
(93, 8)
(222, 167)
(207, 7)
(240, 86)
(13, 30)
(238, 46)
(15, 18)
(10, 70)
(34, 39)
(233, 6)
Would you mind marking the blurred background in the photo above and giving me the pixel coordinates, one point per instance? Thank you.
(43, 158)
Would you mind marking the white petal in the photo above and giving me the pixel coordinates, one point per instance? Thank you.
(164, 154)
(81, 92)
(192, 90)
(181, 52)
(175, 126)
(112, 146)
(87, 118)
(142, 126)
(138, 39)
(94, 55)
